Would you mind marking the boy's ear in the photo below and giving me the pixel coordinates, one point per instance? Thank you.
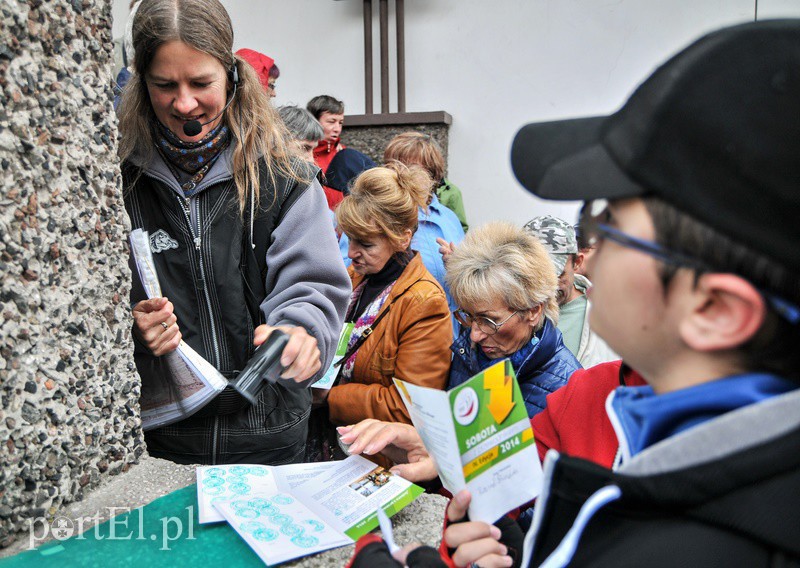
(726, 312)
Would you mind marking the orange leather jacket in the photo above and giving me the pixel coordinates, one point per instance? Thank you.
(412, 342)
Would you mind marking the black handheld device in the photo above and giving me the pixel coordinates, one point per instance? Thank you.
(264, 366)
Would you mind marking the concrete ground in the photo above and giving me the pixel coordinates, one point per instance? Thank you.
(152, 478)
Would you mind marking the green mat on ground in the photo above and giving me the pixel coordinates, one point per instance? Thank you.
(165, 532)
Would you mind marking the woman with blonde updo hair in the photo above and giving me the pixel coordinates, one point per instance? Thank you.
(399, 315)
(239, 233)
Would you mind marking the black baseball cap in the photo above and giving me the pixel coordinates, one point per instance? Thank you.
(715, 131)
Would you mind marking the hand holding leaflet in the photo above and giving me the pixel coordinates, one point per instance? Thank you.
(480, 437)
(194, 381)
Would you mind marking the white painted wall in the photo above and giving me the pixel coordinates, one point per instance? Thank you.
(494, 65)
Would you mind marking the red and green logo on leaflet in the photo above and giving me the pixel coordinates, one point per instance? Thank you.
(490, 419)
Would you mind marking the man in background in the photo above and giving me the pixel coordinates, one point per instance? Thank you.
(558, 238)
(329, 111)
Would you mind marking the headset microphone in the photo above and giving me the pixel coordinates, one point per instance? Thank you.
(195, 127)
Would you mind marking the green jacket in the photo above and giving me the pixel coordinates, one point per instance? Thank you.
(450, 196)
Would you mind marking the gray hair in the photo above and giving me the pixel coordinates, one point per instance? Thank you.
(301, 123)
(500, 261)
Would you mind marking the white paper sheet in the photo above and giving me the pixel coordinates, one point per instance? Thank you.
(285, 512)
(278, 527)
(217, 483)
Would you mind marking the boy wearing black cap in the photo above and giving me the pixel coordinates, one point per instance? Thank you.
(692, 193)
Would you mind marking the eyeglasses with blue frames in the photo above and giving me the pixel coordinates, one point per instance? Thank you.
(485, 325)
(595, 212)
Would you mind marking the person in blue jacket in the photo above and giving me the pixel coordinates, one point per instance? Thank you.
(505, 286)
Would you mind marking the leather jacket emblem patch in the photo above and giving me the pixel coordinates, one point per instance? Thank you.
(161, 241)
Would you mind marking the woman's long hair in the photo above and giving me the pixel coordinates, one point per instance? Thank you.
(256, 128)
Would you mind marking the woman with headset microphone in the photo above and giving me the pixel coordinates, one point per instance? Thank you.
(239, 234)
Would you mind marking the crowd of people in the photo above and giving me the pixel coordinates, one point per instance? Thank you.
(654, 342)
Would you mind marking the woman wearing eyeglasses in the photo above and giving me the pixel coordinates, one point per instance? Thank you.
(505, 286)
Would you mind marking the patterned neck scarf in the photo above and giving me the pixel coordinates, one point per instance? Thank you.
(191, 157)
(365, 320)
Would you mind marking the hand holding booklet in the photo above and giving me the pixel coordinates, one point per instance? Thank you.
(194, 382)
(285, 512)
(480, 438)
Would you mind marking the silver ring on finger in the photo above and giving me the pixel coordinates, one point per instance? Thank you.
(164, 325)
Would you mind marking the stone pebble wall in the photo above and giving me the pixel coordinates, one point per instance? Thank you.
(68, 388)
(372, 140)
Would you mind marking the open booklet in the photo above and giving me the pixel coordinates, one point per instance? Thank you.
(195, 382)
(480, 438)
(289, 511)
